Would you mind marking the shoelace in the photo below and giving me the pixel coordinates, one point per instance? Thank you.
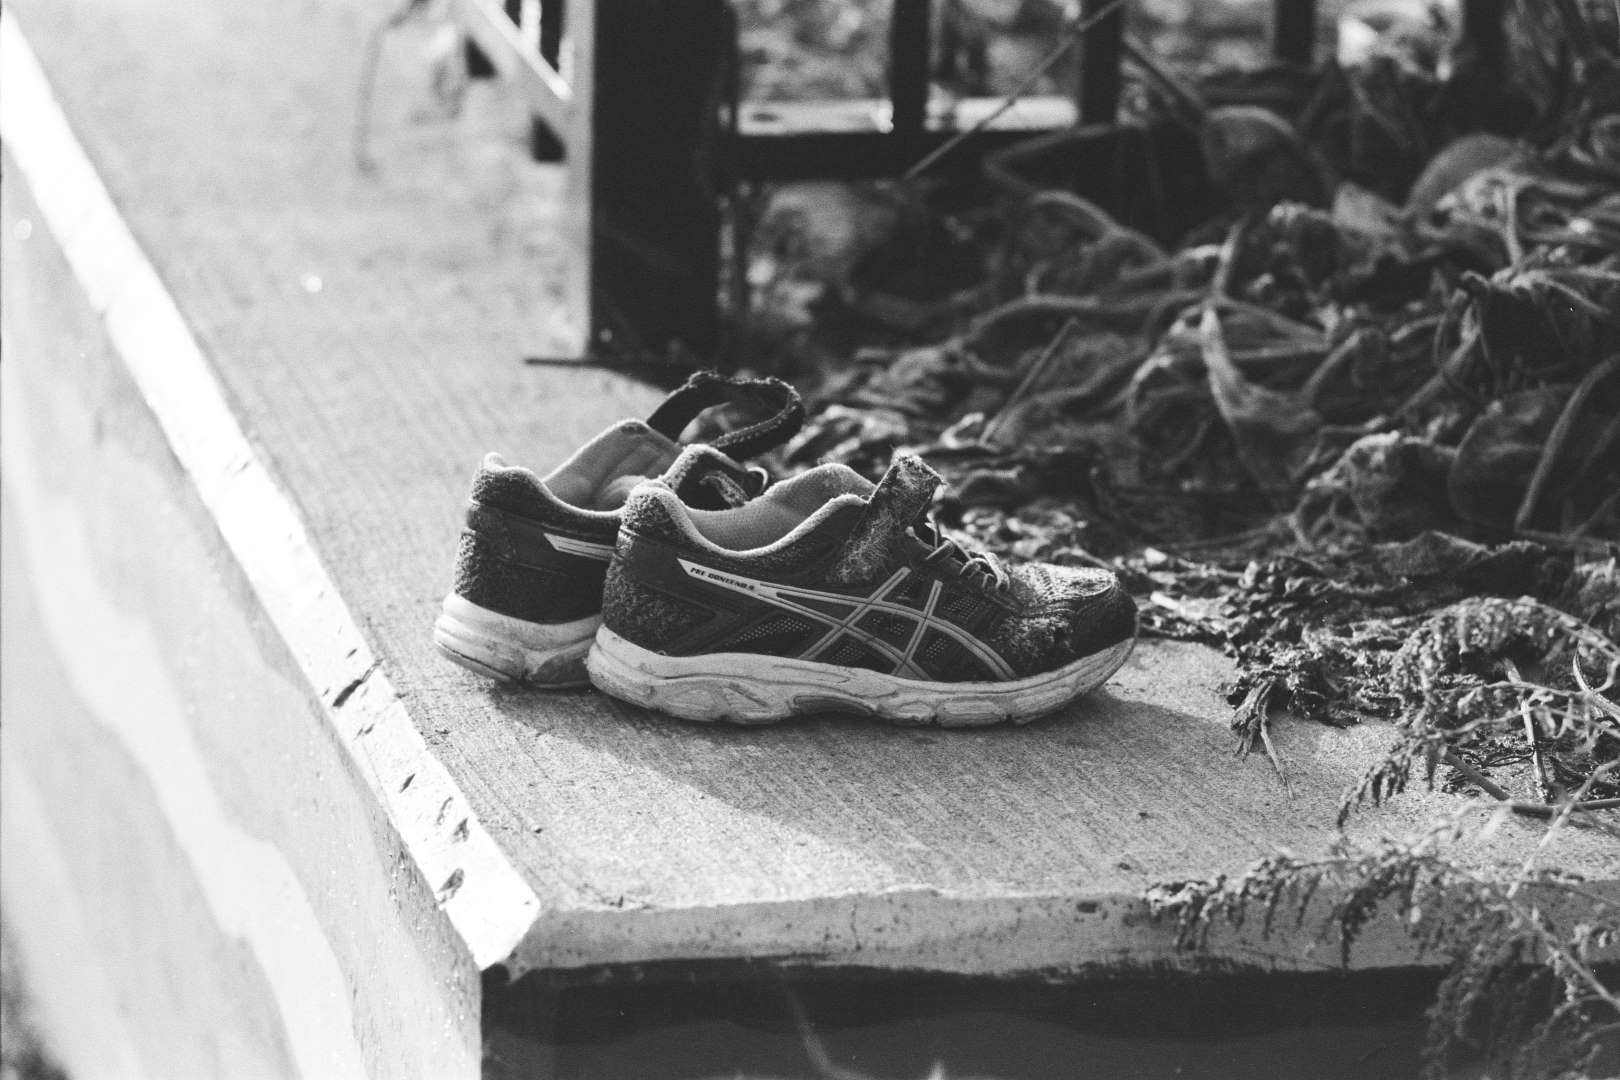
(976, 565)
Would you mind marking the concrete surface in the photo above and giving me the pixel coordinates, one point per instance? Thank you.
(370, 330)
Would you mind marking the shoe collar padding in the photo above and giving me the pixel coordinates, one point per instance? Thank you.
(602, 473)
(802, 504)
(773, 521)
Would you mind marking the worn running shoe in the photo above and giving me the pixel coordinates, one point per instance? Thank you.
(527, 597)
(829, 594)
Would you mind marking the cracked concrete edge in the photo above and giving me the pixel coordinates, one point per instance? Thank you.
(484, 897)
(1059, 937)
(1042, 937)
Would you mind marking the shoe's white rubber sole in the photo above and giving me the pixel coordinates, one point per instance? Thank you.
(512, 650)
(747, 688)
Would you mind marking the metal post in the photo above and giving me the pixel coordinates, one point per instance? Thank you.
(1293, 30)
(1098, 96)
(658, 84)
(551, 27)
(908, 66)
(1483, 29)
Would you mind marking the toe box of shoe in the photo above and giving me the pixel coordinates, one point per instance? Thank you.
(1100, 619)
(1067, 614)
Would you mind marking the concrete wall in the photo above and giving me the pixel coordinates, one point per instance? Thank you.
(198, 882)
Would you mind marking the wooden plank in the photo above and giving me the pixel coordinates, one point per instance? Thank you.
(826, 842)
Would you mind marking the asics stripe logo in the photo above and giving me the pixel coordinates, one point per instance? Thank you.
(839, 613)
(583, 548)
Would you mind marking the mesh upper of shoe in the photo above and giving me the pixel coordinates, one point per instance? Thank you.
(1052, 614)
(1063, 612)
(535, 548)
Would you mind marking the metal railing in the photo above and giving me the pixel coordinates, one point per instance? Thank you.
(638, 99)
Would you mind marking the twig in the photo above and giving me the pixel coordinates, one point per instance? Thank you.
(1565, 809)
(1603, 508)
(1259, 532)
(1266, 355)
(1185, 97)
(1583, 806)
(1081, 307)
(1595, 697)
(1538, 762)
(1589, 545)
(1164, 600)
(1289, 328)
(1445, 378)
(1577, 31)
(1508, 206)
(1047, 62)
(1554, 446)
(1549, 941)
(1336, 359)
(1485, 783)
(1276, 762)
(1036, 371)
(1096, 222)
(1221, 284)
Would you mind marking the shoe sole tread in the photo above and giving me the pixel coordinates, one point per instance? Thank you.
(512, 650)
(731, 687)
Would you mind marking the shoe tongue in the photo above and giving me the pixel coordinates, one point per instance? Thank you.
(705, 479)
(882, 536)
(906, 490)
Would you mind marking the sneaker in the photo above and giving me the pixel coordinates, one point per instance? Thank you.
(829, 594)
(527, 597)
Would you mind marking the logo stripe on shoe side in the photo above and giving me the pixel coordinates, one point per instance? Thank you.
(583, 548)
(810, 604)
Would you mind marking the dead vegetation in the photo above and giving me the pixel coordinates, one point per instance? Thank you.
(1360, 428)
(1373, 399)
(1522, 992)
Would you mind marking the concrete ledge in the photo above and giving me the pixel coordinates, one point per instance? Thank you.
(234, 510)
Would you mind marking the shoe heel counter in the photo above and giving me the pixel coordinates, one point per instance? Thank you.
(496, 571)
(637, 603)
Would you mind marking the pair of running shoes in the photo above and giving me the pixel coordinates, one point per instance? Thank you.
(675, 577)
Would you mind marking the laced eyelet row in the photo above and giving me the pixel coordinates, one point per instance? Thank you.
(981, 567)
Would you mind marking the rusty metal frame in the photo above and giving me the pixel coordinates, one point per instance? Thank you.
(573, 84)
(637, 97)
